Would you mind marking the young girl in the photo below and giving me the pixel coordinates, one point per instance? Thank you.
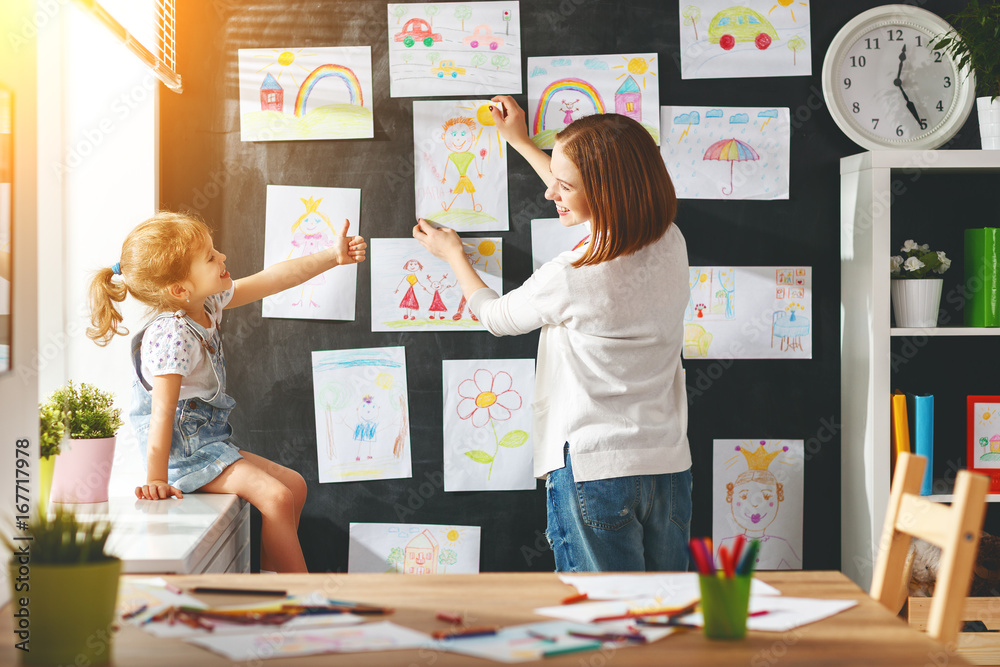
(610, 411)
(180, 411)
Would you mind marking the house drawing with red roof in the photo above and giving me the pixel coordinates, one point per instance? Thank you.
(420, 556)
(272, 95)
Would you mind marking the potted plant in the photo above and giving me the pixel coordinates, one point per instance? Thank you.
(50, 434)
(973, 44)
(83, 465)
(65, 587)
(915, 290)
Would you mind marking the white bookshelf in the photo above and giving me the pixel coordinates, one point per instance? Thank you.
(865, 201)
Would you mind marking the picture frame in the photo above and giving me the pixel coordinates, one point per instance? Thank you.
(983, 419)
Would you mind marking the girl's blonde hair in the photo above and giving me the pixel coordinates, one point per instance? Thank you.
(155, 255)
(628, 190)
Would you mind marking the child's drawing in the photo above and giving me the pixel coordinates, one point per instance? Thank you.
(985, 426)
(727, 152)
(306, 93)
(302, 221)
(413, 290)
(757, 492)
(487, 424)
(413, 548)
(758, 38)
(755, 312)
(460, 165)
(549, 238)
(563, 89)
(362, 423)
(454, 49)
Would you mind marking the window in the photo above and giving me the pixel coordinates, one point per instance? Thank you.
(723, 21)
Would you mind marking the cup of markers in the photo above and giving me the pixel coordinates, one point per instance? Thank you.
(725, 592)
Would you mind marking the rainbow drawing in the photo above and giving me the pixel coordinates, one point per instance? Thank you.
(346, 74)
(559, 86)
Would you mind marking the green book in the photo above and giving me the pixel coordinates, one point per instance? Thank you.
(982, 277)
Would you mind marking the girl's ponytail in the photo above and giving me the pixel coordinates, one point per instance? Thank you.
(105, 317)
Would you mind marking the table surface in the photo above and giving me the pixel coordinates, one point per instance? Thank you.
(866, 634)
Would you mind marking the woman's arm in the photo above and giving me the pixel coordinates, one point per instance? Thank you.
(512, 127)
(291, 272)
(444, 243)
(166, 392)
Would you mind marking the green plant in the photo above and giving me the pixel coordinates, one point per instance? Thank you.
(51, 430)
(916, 261)
(975, 43)
(63, 540)
(85, 411)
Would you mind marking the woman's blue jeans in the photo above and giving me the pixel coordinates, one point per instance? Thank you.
(637, 523)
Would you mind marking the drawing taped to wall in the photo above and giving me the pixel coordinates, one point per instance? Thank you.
(413, 548)
(727, 152)
(563, 89)
(755, 38)
(301, 221)
(757, 312)
(757, 492)
(306, 93)
(454, 48)
(460, 166)
(362, 414)
(415, 291)
(487, 424)
(549, 238)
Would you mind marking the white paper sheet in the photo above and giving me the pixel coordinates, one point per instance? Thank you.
(562, 89)
(765, 502)
(674, 586)
(783, 613)
(306, 93)
(279, 643)
(460, 166)
(414, 291)
(362, 414)
(454, 48)
(758, 38)
(748, 312)
(726, 152)
(413, 548)
(301, 221)
(487, 424)
(549, 238)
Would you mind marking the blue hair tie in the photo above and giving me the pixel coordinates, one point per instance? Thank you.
(116, 269)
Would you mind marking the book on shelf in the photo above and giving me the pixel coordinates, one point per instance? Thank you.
(900, 427)
(920, 409)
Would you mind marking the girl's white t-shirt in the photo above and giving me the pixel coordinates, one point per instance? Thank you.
(170, 347)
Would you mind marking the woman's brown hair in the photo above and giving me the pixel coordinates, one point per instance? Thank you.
(630, 195)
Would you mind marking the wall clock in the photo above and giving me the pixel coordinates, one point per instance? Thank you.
(887, 88)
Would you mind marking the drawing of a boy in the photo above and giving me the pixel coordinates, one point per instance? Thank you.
(459, 136)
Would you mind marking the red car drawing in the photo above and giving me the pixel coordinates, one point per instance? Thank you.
(417, 29)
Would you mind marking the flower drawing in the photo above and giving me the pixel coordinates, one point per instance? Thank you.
(486, 399)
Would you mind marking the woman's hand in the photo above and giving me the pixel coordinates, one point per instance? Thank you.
(510, 122)
(442, 242)
(157, 489)
(348, 251)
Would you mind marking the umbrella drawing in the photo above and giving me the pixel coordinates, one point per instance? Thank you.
(732, 150)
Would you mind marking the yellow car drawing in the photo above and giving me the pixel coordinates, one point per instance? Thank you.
(448, 67)
(740, 24)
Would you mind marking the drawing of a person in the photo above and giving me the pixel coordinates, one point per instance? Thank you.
(459, 136)
(437, 304)
(311, 233)
(409, 302)
(754, 498)
(568, 108)
(367, 427)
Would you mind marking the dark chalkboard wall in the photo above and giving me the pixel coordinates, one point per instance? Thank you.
(205, 168)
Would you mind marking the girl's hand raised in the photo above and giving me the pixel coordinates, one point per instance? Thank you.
(348, 251)
(157, 490)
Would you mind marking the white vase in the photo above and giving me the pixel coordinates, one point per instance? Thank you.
(989, 121)
(915, 301)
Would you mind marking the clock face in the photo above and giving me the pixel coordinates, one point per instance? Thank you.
(887, 88)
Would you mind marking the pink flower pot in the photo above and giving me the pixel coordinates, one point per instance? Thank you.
(83, 470)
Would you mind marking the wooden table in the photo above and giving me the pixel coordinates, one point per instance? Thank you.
(866, 634)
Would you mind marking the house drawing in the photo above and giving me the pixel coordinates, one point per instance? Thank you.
(420, 556)
(272, 95)
(995, 444)
(628, 100)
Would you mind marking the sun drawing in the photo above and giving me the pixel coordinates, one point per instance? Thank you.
(637, 66)
(787, 3)
(486, 124)
(453, 535)
(482, 251)
(987, 415)
(283, 60)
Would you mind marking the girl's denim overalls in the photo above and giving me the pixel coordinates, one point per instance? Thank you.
(200, 447)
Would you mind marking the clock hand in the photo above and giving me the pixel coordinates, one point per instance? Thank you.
(912, 108)
(899, 72)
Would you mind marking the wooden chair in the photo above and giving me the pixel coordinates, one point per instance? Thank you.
(954, 529)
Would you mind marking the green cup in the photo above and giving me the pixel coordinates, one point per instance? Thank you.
(724, 603)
